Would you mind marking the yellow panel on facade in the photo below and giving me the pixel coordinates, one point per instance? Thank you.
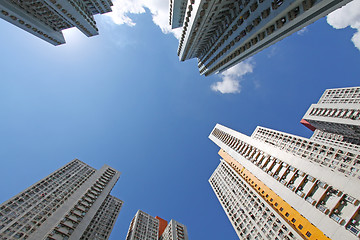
(299, 223)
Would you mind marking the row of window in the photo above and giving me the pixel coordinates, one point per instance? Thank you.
(218, 23)
(247, 212)
(352, 144)
(235, 26)
(344, 161)
(103, 221)
(279, 23)
(39, 201)
(77, 213)
(186, 23)
(84, 13)
(353, 114)
(340, 207)
(38, 214)
(341, 95)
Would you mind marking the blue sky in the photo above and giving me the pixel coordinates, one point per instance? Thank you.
(123, 98)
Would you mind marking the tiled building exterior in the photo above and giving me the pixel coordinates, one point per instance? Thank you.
(279, 186)
(175, 231)
(63, 205)
(223, 33)
(337, 112)
(47, 18)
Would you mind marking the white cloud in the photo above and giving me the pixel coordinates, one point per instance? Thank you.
(231, 78)
(122, 8)
(303, 31)
(348, 15)
(272, 51)
(159, 10)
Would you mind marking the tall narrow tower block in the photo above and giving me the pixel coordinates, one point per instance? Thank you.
(72, 203)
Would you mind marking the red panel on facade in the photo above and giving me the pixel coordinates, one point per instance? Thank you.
(307, 124)
(162, 225)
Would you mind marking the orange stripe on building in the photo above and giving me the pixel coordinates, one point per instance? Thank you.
(299, 223)
(162, 225)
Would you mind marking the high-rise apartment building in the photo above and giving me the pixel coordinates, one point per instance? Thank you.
(247, 211)
(221, 34)
(74, 202)
(175, 231)
(47, 18)
(103, 222)
(143, 227)
(274, 185)
(146, 227)
(337, 112)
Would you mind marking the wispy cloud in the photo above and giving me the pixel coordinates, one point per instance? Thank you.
(272, 51)
(123, 9)
(232, 77)
(302, 31)
(347, 16)
(257, 84)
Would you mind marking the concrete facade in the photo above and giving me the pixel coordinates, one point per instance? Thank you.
(146, 227)
(249, 214)
(221, 34)
(337, 112)
(315, 200)
(177, 13)
(336, 157)
(47, 18)
(63, 205)
(143, 227)
(175, 231)
(103, 222)
(336, 140)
